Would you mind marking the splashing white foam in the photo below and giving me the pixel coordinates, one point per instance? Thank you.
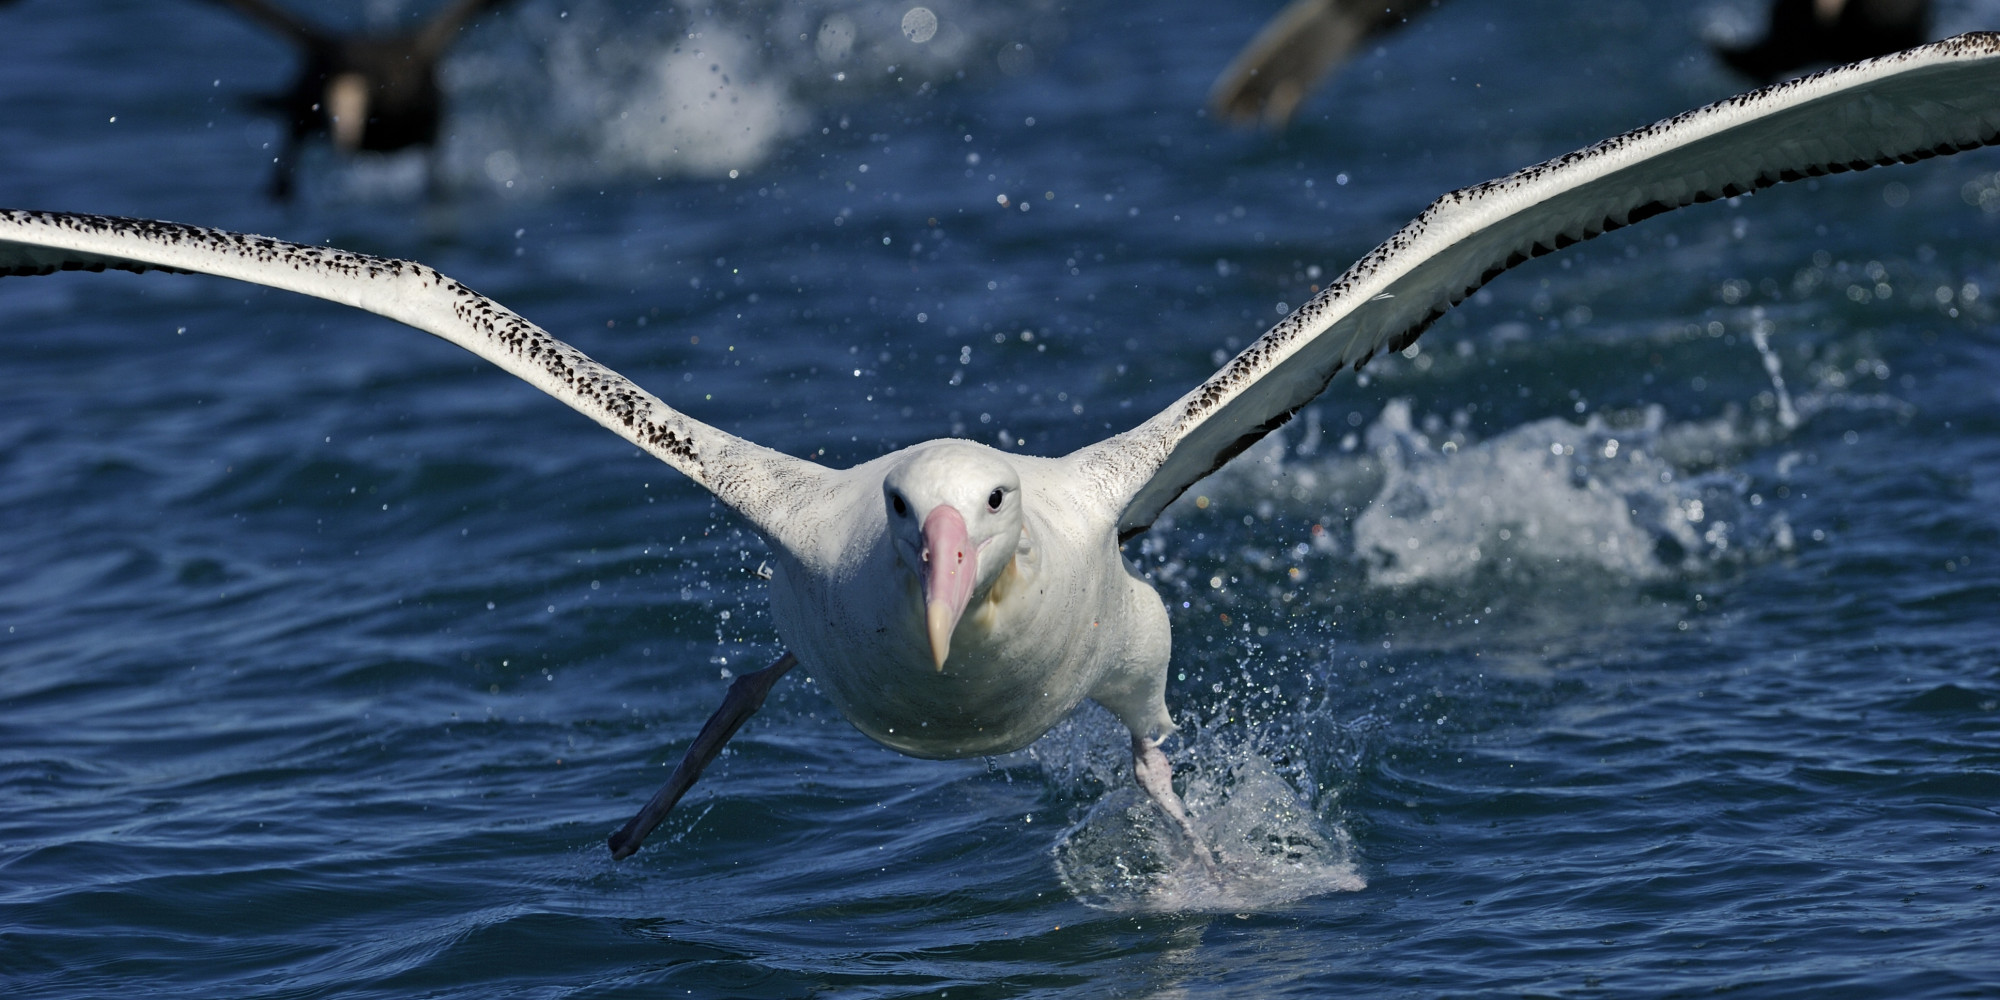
(695, 90)
(1628, 495)
(1272, 848)
(1548, 491)
(701, 109)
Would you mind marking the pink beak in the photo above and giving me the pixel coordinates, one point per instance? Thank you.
(951, 570)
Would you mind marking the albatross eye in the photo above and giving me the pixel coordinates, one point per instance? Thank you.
(994, 498)
(896, 501)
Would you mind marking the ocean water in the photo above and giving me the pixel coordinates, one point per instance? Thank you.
(1636, 634)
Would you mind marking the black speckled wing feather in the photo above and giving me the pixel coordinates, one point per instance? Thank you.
(1932, 100)
(754, 480)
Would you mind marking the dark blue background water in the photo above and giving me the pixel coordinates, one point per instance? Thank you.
(331, 654)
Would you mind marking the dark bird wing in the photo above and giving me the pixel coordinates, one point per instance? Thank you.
(1289, 55)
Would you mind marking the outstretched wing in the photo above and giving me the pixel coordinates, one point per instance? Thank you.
(1929, 101)
(747, 477)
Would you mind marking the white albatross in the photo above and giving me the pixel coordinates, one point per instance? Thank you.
(955, 600)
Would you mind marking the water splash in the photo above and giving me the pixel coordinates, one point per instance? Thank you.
(686, 114)
(1548, 493)
(1630, 495)
(1270, 845)
(686, 90)
(1760, 335)
(1274, 845)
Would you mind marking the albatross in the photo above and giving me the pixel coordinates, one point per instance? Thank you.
(954, 600)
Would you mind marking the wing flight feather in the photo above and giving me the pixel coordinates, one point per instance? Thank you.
(752, 479)
(1932, 100)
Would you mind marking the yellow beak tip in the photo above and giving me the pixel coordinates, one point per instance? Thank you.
(941, 622)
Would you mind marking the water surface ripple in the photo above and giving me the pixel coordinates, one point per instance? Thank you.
(1572, 654)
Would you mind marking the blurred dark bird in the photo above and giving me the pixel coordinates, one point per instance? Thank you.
(1309, 39)
(1298, 49)
(1822, 32)
(373, 92)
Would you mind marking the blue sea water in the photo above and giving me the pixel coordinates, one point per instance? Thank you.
(1635, 635)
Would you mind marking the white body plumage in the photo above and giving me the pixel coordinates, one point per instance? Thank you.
(1062, 618)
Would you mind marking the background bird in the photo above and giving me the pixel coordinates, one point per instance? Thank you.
(372, 92)
(1803, 33)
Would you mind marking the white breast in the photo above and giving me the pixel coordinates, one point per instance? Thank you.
(1021, 660)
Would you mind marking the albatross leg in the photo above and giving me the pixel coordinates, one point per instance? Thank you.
(746, 695)
(1150, 766)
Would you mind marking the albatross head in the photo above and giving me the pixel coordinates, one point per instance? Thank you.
(954, 512)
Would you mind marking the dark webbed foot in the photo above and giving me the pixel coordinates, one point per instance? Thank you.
(746, 695)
